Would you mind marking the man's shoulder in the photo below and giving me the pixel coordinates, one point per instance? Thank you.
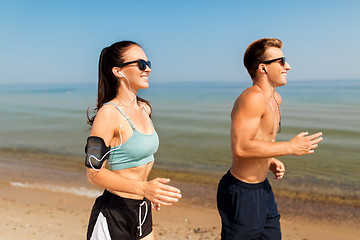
(251, 96)
(250, 101)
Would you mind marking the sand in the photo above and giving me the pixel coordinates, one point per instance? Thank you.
(42, 214)
(41, 211)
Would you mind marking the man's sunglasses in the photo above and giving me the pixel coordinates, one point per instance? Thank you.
(141, 63)
(282, 61)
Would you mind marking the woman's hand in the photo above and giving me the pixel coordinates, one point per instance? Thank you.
(159, 193)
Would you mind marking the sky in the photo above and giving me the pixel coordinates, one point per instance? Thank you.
(60, 41)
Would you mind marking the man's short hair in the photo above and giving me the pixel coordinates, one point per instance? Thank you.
(255, 53)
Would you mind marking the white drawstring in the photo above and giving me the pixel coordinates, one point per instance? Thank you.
(142, 222)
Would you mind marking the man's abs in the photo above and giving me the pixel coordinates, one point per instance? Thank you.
(250, 170)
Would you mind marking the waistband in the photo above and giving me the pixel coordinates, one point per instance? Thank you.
(234, 180)
(120, 202)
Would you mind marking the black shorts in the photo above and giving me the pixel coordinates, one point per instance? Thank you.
(247, 211)
(114, 217)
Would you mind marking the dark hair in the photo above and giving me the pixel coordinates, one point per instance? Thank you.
(255, 53)
(108, 84)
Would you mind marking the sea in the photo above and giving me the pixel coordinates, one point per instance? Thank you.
(193, 123)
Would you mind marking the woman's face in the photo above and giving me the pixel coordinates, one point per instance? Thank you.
(138, 78)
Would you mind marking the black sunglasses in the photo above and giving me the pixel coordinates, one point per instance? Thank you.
(283, 61)
(141, 63)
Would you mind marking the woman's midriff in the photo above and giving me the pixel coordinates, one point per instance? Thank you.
(139, 173)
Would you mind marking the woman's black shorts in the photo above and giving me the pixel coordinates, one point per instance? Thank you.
(114, 217)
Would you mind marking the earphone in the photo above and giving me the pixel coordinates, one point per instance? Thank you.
(134, 98)
(126, 119)
(272, 83)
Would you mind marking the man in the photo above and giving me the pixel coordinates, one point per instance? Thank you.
(245, 199)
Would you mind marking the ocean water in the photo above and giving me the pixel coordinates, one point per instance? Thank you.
(193, 122)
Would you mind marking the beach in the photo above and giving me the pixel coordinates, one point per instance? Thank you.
(55, 203)
(45, 194)
(42, 215)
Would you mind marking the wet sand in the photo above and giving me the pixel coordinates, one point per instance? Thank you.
(41, 214)
(40, 210)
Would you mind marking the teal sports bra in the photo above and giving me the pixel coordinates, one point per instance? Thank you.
(138, 150)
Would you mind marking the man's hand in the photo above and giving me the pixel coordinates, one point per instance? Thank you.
(278, 168)
(303, 144)
(155, 206)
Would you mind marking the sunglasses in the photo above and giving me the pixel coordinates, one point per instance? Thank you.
(282, 61)
(141, 63)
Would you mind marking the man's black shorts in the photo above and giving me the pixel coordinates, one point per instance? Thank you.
(248, 211)
(114, 217)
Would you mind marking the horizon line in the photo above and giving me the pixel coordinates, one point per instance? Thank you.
(185, 81)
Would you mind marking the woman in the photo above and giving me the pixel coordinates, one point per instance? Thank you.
(123, 122)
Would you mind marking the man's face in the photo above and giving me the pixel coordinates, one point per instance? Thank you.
(276, 70)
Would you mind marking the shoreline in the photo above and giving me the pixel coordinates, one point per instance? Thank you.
(34, 167)
(41, 214)
(42, 198)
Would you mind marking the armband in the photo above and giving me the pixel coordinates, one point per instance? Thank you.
(96, 152)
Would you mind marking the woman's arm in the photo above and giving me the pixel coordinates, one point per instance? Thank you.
(155, 190)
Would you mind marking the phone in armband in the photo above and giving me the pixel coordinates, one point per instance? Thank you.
(96, 152)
